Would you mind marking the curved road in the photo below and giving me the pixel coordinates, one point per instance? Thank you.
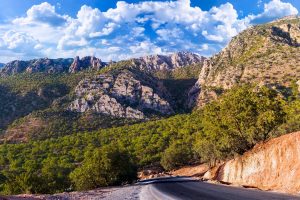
(188, 189)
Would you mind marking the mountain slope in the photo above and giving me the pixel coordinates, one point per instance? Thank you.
(265, 54)
(88, 95)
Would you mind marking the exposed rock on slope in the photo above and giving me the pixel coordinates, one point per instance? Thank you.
(36, 65)
(88, 62)
(274, 165)
(169, 62)
(266, 54)
(123, 94)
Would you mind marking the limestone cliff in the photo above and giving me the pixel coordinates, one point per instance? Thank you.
(124, 94)
(265, 54)
(88, 62)
(273, 165)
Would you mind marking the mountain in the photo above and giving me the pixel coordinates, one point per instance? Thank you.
(1, 65)
(167, 62)
(68, 96)
(36, 65)
(55, 127)
(265, 54)
(51, 66)
(150, 63)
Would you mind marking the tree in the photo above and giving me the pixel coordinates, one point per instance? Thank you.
(292, 118)
(238, 120)
(106, 166)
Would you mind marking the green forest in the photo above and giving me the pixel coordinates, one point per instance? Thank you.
(231, 125)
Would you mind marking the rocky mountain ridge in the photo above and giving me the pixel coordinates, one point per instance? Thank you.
(167, 62)
(50, 66)
(266, 54)
(69, 65)
(36, 65)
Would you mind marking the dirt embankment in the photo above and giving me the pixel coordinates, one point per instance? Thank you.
(273, 165)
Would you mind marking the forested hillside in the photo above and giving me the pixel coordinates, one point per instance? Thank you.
(229, 126)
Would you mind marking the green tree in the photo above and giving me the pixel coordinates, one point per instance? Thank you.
(106, 166)
(238, 120)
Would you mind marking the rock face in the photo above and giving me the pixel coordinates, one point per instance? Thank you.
(274, 165)
(125, 94)
(88, 62)
(266, 55)
(169, 62)
(36, 65)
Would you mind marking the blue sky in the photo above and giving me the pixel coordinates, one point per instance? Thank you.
(116, 30)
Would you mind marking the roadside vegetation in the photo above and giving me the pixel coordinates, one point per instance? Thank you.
(231, 125)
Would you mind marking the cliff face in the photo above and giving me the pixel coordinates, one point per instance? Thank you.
(274, 165)
(266, 55)
(124, 94)
(167, 62)
(88, 62)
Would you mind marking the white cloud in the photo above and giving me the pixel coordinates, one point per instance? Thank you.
(130, 29)
(89, 21)
(19, 41)
(19, 45)
(273, 10)
(175, 24)
(42, 14)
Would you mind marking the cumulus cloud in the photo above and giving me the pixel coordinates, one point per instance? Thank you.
(157, 26)
(131, 29)
(19, 45)
(43, 14)
(19, 41)
(273, 10)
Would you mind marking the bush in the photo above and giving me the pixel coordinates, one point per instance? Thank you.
(104, 167)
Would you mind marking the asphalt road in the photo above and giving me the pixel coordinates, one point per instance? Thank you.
(189, 189)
